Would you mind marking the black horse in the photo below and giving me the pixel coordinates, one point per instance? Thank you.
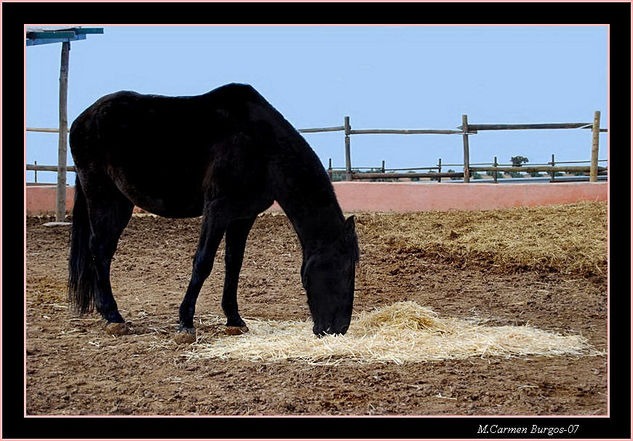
(225, 155)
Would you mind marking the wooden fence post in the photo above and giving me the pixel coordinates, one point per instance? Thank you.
(329, 169)
(60, 209)
(553, 172)
(439, 169)
(35, 171)
(595, 131)
(494, 173)
(466, 149)
(348, 156)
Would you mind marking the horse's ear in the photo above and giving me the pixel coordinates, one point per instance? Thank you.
(350, 225)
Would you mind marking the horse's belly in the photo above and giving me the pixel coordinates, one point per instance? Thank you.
(164, 200)
(165, 208)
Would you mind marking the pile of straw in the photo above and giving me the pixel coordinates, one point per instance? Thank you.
(402, 332)
(567, 238)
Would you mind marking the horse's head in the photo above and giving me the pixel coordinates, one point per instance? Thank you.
(328, 278)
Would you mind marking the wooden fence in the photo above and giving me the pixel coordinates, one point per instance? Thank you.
(466, 130)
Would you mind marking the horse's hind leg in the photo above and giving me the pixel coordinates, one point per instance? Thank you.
(236, 235)
(109, 213)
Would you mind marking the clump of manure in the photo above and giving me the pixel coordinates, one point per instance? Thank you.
(398, 333)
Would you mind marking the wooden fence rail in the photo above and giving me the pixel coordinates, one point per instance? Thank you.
(473, 128)
(404, 132)
(40, 129)
(323, 129)
(370, 175)
(530, 169)
(49, 168)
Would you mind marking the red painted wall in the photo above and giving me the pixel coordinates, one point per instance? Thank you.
(407, 196)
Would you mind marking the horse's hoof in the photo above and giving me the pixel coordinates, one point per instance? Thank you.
(235, 330)
(185, 336)
(115, 328)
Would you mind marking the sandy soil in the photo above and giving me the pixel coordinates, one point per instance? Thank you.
(73, 367)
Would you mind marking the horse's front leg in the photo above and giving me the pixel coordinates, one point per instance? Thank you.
(236, 235)
(213, 226)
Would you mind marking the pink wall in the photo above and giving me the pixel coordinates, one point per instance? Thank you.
(407, 196)
(40, 199)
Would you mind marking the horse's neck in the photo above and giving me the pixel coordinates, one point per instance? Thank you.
(316, 226)
(308, 200)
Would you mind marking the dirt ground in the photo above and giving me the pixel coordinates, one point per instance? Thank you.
(73, 367)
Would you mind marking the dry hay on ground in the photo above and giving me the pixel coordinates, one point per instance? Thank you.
(401, 332)
(569, 238)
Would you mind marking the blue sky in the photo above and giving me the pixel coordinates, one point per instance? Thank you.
(380, 76)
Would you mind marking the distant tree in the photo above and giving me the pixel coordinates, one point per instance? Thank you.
(536, 174)
(517, 161)
(516, 174)
(413, 179)
(476, 175)
(452, 171)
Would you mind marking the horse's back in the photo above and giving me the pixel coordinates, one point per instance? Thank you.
(159, 150)
(127, 117)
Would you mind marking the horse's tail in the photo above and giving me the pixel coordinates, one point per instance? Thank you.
(82, 275)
